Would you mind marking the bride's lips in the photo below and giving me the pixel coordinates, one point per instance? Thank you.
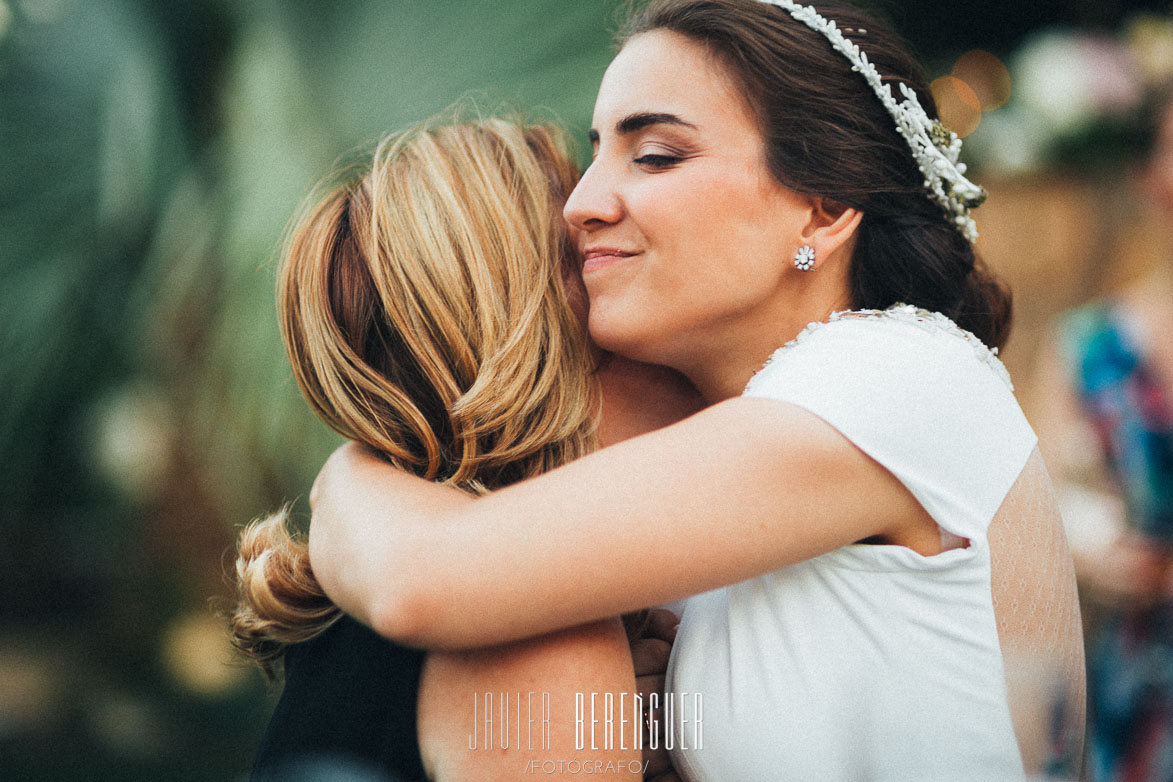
(598, 257)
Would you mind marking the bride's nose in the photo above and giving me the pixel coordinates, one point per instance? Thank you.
(594, 202)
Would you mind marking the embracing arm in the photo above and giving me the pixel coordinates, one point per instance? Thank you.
(738, 490)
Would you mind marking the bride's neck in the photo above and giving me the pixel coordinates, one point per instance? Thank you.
(639, 398)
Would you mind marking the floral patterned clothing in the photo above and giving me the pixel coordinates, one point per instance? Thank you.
(1131, 659)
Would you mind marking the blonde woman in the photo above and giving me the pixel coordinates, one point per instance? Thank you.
(427, 313)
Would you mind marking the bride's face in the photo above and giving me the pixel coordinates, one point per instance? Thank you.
(684, 232)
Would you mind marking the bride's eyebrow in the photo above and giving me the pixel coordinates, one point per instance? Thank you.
(640, 120)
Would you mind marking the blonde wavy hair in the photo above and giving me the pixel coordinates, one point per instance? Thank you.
(424, 304)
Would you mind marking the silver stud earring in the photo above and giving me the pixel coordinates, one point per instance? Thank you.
(804, 259)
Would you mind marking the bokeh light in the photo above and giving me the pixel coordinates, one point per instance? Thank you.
(198, 655)
(958, 105)
(986, 75)
(32, 691)
(131, 441)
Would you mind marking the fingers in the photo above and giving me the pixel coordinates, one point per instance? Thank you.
(650, 653)
(646, 685)
(662, 624)
(650, 656)
(657, 759)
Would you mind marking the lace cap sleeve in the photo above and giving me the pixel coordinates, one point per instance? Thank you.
(922, 397)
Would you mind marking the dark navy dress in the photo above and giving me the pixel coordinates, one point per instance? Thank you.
(348, 711)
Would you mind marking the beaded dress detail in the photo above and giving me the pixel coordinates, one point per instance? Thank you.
(926, 320)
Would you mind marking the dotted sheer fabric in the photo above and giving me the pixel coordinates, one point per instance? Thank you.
(1039, 626)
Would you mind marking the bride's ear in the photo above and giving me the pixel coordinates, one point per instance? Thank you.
(832, 226)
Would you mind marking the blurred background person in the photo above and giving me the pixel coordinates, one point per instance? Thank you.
(1108, 436)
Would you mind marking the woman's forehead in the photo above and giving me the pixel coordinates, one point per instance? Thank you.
(662, 72)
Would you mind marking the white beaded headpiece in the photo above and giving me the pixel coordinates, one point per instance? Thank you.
(934, 147)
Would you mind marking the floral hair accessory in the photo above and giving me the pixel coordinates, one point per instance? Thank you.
(935, 148)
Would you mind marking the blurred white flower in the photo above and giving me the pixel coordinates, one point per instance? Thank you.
(1069, 79)
(1009, 141)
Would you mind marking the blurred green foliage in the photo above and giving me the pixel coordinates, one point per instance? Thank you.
(152, 153)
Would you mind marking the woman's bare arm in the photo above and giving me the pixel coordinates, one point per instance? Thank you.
(737, 490)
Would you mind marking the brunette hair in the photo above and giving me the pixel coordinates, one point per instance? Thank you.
(424, 306)
(827, 134)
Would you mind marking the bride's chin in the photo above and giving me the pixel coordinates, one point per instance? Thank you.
(621, 339)
(607, 330)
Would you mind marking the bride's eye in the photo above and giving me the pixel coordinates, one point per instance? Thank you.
(658, 161)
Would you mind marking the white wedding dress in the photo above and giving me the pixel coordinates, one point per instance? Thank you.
(873, 662)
